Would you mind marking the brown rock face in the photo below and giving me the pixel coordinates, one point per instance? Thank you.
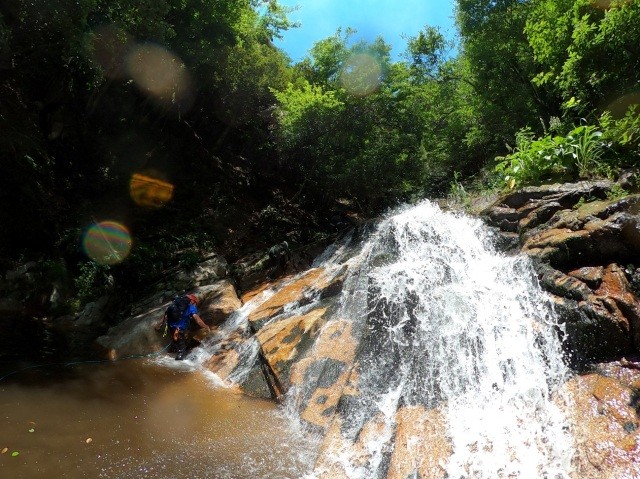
(327, 368)
(599, 309)
(615, 290)
(420, 445)
(606, 423)
(578, 239)
(313, 282)
(330, 464)
(135, 335)
(578, 250)
(227, 358)
(218, 302)
(282, 335)
(284, 341)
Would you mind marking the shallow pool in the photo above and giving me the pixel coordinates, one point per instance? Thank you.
(143, 419)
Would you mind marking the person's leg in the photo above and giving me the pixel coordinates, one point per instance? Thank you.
(173, 347)
(181, 345)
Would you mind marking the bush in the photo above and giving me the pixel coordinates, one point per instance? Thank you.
(93, 281)
(579, 154)
(587, 148)
(534, 161)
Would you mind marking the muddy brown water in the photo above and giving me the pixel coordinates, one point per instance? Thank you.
(143, 418)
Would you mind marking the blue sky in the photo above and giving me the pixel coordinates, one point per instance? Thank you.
(388, 18)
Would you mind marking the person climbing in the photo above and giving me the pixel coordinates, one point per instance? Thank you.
(177, 319)
(277, 258)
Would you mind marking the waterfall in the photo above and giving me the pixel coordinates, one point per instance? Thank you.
(452, 345)
(448, 323)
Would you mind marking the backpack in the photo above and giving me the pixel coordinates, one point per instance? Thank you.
(176, 310)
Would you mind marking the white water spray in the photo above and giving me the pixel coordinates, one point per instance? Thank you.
(449, 323)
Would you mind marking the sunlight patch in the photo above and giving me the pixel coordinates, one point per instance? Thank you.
(603, 4)
(619, 107)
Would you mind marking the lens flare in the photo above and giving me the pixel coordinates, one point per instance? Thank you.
(160, 74)
(146, 189)
(107, 242)
(360, 75)
(110, 46)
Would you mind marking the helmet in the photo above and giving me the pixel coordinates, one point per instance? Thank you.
(193, 297)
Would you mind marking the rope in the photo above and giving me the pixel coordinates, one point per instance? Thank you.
(96, 361)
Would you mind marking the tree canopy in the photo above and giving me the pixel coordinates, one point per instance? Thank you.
(161, 115)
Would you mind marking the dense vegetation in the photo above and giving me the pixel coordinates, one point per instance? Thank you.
(181, 121)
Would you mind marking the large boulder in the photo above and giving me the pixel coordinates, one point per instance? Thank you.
(218, 301)
(599, 310)
(136, 335)
(313, 283)
(259, 354)
(94, 313)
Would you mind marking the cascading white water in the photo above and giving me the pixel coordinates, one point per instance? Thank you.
(450, 323)
(444, 322)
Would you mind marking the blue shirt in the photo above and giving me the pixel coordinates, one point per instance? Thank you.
(183, 324)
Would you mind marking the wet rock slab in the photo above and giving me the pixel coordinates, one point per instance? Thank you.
(606, 422)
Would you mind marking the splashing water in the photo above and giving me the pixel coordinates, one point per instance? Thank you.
(443, 323)
(448, 323)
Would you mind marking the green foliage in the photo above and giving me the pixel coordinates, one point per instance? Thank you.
(458, 195)
(404, 138)
(550, 158)
(274, 19)
(92, 281)
(345, 123)
(5, 35)
(304, 109)
(617, 192)
(350, 126)
(251, 72)
(75, 125)
(624, 135)
(327, 58)
(541, 59)
(583, 201)
(190, 258)
(426, 52)
(589, 55)
(587, 149)
(534, 160)
(500, 69)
